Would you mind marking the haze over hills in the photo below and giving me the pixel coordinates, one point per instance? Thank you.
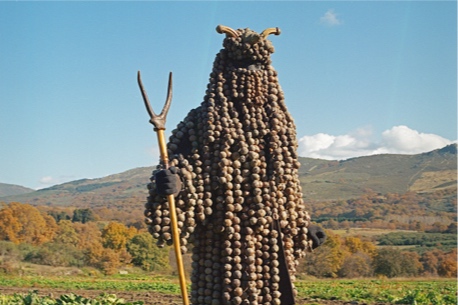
(321, 180)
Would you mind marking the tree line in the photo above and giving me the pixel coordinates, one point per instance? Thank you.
(427, 212)
(56, 239)
(81, 239)
(352, 257)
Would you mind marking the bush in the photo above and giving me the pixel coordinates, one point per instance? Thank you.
(146, 254)
(9, 251)
(56, 255)
(392, 262)
(356, 265)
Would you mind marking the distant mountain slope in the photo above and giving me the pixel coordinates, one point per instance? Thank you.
(106, 191)
(321, 180)
(386, 173)
(12, 189)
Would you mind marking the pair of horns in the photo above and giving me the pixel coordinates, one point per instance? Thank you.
(222, 29)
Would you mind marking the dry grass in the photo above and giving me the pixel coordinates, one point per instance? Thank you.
(433, 181)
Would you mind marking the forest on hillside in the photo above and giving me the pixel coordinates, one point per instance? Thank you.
(423, 212)
(431, 211)
(92, 239)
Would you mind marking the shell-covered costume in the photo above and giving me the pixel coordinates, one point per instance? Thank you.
(236, 156)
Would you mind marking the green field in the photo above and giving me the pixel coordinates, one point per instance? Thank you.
(312, 291)
(393, 291)
(159, 284)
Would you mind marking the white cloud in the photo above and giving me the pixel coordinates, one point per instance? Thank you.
(48, 181)
(403, 140)
(397, 140)
(330, 18)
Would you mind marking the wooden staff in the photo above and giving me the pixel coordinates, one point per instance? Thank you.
(159, 127)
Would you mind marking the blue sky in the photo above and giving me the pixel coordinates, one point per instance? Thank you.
(359, 78)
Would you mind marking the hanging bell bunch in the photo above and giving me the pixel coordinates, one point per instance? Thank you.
(237, 158)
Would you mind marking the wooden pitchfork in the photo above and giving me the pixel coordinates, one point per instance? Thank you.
(159, 127)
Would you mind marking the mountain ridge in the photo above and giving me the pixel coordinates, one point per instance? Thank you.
(320, 180)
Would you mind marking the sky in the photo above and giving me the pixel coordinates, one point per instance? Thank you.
(359, 77)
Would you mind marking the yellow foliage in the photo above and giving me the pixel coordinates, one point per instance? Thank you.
(23, 223)
(355, 244)
(66, 233)
(115, 235)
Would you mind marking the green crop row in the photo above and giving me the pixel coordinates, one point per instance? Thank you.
(163, 285)
(32, 298)
(384, 291)
(393, 291)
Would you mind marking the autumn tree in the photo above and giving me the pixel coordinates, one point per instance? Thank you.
(63, 251)
(358, 264)
(66, 233)
(90, 242)
(9, 225)
(448, 265)
(23, 223)
(109, 261)
(355, 244)
(411, 265)
(392, 262)
(439, 263)
(387, 262)
(333, 224)
(430, 261)
(114, 239)
(326, 260)
(357, 261)
(88, 234)
(438, 227)
(115, 235)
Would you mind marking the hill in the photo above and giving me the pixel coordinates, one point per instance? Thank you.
(388, 173)
(100, 192)
(12, 189)
(320, 179)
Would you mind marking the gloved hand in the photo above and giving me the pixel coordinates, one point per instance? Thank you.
(168, 182)
(317, 235)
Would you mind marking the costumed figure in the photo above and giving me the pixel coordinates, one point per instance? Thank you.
(234, 174)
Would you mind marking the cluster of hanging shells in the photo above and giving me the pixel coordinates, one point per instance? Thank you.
(236, 156)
